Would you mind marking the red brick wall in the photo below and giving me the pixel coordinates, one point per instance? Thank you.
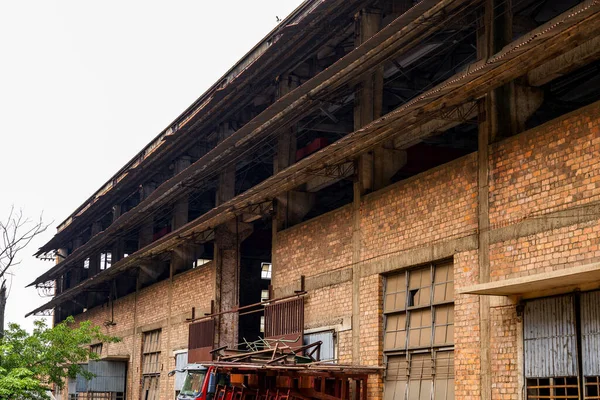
(548, 168)
(467, 348)
(421, 210)
(163, 305)
(319, 245)
(553, 167)
(503, 352)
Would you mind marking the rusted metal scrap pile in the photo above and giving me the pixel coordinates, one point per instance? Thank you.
(281, 369)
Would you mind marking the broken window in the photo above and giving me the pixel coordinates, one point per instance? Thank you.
(419, 333)
(561, 341)
(151, 365)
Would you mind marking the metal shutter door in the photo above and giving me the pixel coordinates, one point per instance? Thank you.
(550, 338)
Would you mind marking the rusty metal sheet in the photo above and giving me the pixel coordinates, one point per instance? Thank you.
(550, 341)
(285, 320)
(201, 340)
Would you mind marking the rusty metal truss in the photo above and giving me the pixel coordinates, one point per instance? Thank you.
(45, 289)
(337, 171)
(460, 113)
(44, 313)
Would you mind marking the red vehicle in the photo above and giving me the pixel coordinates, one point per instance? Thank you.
(238, 381)
(201, 383)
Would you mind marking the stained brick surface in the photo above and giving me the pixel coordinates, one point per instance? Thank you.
(553, 167)
(550, 168)
(151, 309)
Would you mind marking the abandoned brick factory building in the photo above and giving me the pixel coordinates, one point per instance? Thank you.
(415, 184)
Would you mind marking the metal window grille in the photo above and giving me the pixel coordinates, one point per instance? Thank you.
(97, 396)
(419, 333)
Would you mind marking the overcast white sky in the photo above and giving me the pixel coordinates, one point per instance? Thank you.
(84, 85)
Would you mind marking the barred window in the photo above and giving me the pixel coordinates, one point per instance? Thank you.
(419, 333)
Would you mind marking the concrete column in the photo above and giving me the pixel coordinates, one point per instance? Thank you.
(77, 273)
(118, 249)
(147, 228)
(291, 206)
(184, 254)
(367, 107)
(146, 233)
(95, 258)
(488, 125)
(228, 240)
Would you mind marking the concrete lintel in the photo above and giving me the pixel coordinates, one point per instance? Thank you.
(546, 222)
(421, 255)
(320, 281)
(583, 277)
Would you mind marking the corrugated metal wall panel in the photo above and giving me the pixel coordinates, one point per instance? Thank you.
(110, 376)
(80, 383)
(328, 346)
(71, 386)
(550, 338)
(590, 333)
(181, 360)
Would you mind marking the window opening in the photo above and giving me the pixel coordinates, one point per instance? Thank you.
(105, 260)
(151, 365)
(266, 269)
(419, 333)
(96, 349)
(200, 262)
(264, 295)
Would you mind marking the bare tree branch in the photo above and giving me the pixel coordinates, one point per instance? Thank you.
(16, 233)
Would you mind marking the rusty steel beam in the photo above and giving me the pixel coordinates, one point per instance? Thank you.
(528, 52)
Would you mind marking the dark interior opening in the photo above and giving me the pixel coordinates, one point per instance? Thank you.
(255, 256)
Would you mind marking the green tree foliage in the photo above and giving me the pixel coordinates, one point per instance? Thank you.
(31, 363)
